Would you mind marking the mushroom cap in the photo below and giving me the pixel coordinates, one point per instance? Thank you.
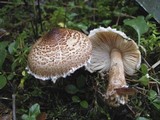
(58, 53)
(103, 41)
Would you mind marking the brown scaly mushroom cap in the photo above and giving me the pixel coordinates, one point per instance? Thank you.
(58, 53)
(113, 51)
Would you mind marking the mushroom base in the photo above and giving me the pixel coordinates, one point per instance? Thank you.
(114, 99)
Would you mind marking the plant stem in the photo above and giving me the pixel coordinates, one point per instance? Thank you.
(154, 80)
(14, 106)
(40, 16)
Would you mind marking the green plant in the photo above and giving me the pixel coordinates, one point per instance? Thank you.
(139, 25)
(151, 41)
(34, 111)
(142, 118)
(144, 80)
(83, 103)
(154, 98)
(75, 89)
(3, 81)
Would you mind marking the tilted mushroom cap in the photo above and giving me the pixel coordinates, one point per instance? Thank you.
(58, 53)
(103, 41)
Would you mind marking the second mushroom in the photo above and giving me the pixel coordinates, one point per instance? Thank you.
(58, 53)
(115, 53)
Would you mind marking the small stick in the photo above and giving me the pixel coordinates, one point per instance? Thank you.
(155, 65)
(6, 2)
(158, 91)
(133, 112)
(5, 98)
(14, 106)
(146, 62)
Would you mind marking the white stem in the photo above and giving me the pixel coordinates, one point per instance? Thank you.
(116, 79)
(116, 72)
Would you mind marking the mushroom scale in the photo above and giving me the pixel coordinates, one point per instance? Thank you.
(113, 51)
(58, 53)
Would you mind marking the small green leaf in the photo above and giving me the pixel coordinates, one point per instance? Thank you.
(106, 22)
(3, 55)
(71, 89)
(25, 117)
(10, 76)
(72, 15)
(3, 44)
(84, 104)
(144, 69)
(11, 47)
(76, 99)
(142, 118)
(33, 117)
(81, 81)
(3, 81)
(138, 24)
(144, 80)
(14, 65)
(152, 95)
(24, 73)
(3, 52)
(156, 103)
(34, 110)
(21, 84)
(82, 26)
(1, 21)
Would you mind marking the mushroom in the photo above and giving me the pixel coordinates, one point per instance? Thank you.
(113, 51)
(58, 53)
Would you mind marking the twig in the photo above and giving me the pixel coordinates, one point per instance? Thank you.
(14, 106)
(158, 91)
(140, 90)
(11, 3)
(135, 81)
(117, 22)
(126, 15)
(154, 80)
(3, 35)
(129, 107)
(155, 64)
(149, 66)
(5, 98)
(39, 15)
(146, 62)
(6, 2)
(3, 32)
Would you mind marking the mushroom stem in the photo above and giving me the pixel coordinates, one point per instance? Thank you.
(116, 79)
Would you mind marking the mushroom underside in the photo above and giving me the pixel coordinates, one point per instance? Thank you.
(116, 54)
